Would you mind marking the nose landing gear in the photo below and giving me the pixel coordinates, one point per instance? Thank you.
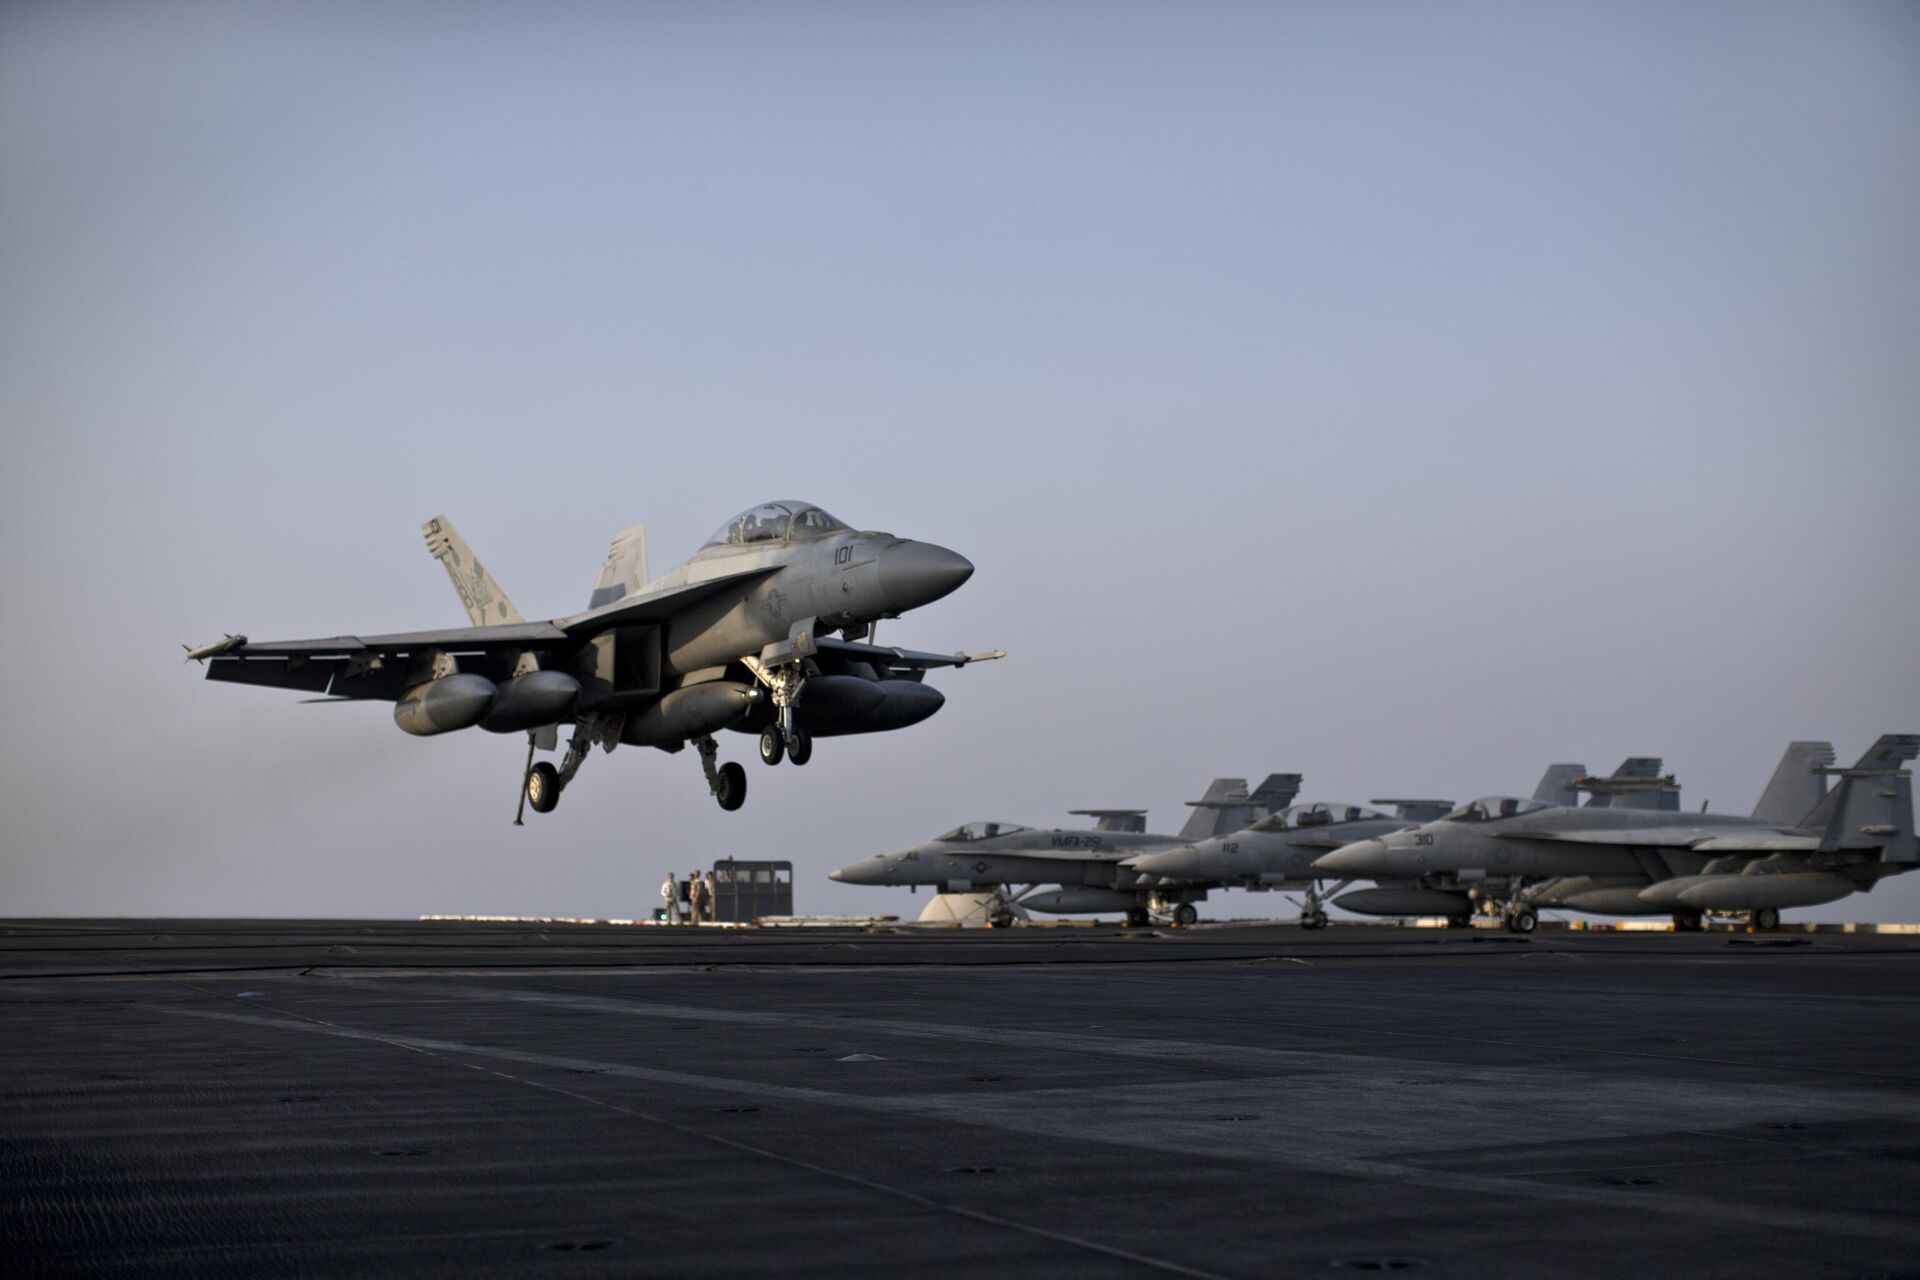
(783, 738)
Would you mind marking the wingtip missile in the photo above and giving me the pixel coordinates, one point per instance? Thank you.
(214, 650)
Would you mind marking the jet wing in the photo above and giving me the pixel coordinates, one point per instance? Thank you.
(655, 605)
(1699, 839)
(312, 665)
(909, 659)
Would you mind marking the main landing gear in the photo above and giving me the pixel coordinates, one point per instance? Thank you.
(1522, 919)
(1766, 919)
(1186, 914)
(542, 784)
(727, 782)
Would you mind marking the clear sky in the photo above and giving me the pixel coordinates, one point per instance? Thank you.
(1404, 394)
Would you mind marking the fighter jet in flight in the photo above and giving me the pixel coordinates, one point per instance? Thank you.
(1804, 845)
(737, 637)
(1088, 865)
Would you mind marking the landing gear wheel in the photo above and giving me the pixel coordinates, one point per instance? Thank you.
(772, 746)
(1687, 922)
(543, 787)
(1137, 918)
(1313, 919)
(1185, 914)
(730, 786)
(800, 747)
(1523, 921)
(1766, 919)
(1459, 922)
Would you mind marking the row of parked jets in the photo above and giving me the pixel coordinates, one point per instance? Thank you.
(1818, 834)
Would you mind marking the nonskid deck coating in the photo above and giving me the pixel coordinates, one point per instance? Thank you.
(323, 1097)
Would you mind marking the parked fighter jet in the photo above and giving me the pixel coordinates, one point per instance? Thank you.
(734, 638)
(1803, 846)
(1278, 851)
(1087, 864)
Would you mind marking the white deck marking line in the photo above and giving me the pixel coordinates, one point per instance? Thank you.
(1834, 1222)
(418, 1044)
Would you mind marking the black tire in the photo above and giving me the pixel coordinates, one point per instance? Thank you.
(773, 747)
(732, 789)
(1186, 914)
(543, 787)
(1523, 921)
(1459, 922)
(1766, 919)
(1687, 922)
(1137, 918)
(800, 750)
(1313, 919)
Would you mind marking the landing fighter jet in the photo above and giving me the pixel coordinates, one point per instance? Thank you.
(1087, 864)
(1804, 845)
(737, 637)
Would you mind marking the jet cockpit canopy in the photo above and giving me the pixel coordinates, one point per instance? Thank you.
(1317, 815)
(1494, 808)
(774, 522)
(981, 831)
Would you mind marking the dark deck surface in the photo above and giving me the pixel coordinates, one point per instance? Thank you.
(322, 1098)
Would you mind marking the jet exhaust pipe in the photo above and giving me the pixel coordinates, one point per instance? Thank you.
(1405, 902)
(441, 706)
(529, 701)
(1060, 902)
(693, 712)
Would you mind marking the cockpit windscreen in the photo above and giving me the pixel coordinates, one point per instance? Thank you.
(981, 831)
(774, 522)
(1494, 808)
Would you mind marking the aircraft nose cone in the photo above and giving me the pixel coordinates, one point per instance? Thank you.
(916, 573)
(1172, 863)
(865, 871)
(1355, 859)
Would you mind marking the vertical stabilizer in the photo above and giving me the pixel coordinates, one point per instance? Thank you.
(625, 571)
(1798, 784)
(486, 603)
(1872, 805)
(1226, 799)
(1275, 792)
(1556, 784)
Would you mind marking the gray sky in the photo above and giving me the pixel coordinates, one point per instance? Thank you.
(1408, 395)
